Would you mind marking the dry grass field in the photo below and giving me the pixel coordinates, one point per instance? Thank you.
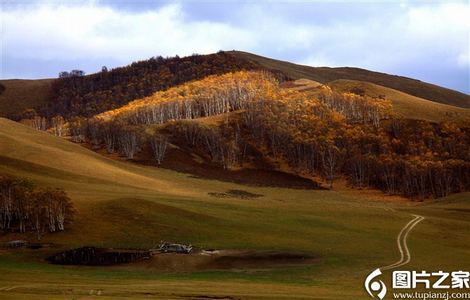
(123, 205)
(21, 94)
(405, 105)
(325, 75)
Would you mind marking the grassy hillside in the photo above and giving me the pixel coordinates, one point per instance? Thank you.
(20, 94)
(120, 204)
(51, 160)
(406, 105)
(324, 75)
(88, 95)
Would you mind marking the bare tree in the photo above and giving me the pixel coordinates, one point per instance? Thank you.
(109, 136)
(39, 123)
(58, 125)
(159, 144)
(191, 132)
(330, 157)
(128, 143)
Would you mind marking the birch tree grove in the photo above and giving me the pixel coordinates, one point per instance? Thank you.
(128, 142)
(344, 135)
(24, 207)
(58, 123)
(36, 122)
(355, 107)
(237, 117)
(212, 96)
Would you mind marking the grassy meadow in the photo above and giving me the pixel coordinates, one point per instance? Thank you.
(124, 205)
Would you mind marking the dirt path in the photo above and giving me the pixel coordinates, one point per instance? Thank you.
(405, 256)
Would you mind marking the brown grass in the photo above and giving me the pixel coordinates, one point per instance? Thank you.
(43, 150)
(21, 94)
(122, 205)
(325, 74)
(406, 105)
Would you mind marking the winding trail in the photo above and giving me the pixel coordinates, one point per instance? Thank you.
(405, 256)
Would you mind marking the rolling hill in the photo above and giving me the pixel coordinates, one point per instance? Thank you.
(122, 205)
(406, 105)
(297, 128)
(50, 160)
(95, 93)
(324, 75)
(21, 94)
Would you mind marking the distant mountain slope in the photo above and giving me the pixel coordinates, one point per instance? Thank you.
(325, 74)
(405, 105)
(96, 93)
(296, 130)
(20, 94)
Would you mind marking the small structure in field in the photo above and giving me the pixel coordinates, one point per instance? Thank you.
(175, 248)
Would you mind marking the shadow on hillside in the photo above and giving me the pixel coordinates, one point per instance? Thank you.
(262, 176)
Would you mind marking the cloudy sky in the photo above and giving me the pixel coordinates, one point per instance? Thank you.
(427, 40)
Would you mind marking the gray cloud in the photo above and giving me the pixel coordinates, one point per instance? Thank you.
(428, 41)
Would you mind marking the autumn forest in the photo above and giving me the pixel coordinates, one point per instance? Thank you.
(232, 117)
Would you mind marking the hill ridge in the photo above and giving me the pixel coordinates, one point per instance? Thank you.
(86, 96)
(324, 75)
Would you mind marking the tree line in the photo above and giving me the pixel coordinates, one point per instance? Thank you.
(333, 135)
(120, 130)
(406, 157)
(109, 89)
(25, 207)
(214, 95)
(55, 125)
(73, 73)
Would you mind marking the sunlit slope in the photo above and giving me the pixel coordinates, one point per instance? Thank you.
(230, 85)
(123, 205)
(325, 74)
(44, 157)
(405, 105)
(20, 94)
(119, 203)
